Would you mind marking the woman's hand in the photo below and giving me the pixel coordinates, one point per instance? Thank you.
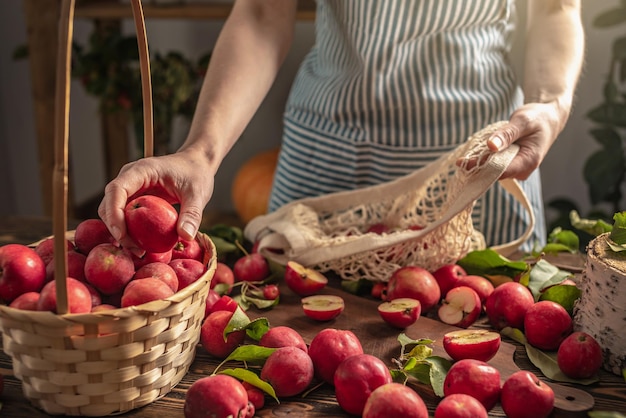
(185, 177)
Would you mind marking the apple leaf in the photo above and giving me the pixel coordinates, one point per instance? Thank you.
(544, 361)
(543, 275)
(252, 378)
(489, 262)
(240, 321)
(564, 294)
(593, 227)
(618, 233)
(439, 367)
(250, 352)
(561, 240)
(605, 414)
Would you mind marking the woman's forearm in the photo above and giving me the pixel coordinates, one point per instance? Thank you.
(247, 56)
(554, 53)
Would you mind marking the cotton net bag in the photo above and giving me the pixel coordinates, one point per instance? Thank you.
(428, 214)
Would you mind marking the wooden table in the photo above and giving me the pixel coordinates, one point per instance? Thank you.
(360, 316)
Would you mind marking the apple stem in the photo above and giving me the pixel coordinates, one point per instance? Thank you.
(241, 247)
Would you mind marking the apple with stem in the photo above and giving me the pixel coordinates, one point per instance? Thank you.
(579, 356)
(251, 267)
(461, 307)
(302, 280)
(401, 312)
(477, 344)
(323, 307)
(525, 395)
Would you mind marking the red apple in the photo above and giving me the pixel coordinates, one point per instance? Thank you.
(289, 370)
(379, 291)
(477, 344)
(460, 405)
(217, 395)
(475, 378)
(212, 335)
(21, 271)
(225, 303)
(92, 232)
(546, 325)
(149, 257)
(109, 268)
(78, 297)
(507, 305)
(75, 266)
(140, 291)
(251, 268)
(525, 395)
(161, 271)
(579, 356)
(211, 299)
(480, 284)
(26, 301)
(187, 271)
(401, 312)
(187, 249)
(224, 276)
(329, 347)
(447, 276)
(394, 400)
(271, 292)
(151, 223)
(45, 248)
(283, 336)
(461, 307)
(416, 283)
(322, 307)
(302, 280)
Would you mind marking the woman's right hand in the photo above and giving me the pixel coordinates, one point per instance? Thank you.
(185, 177)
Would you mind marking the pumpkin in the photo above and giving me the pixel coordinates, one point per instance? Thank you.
(252, 185)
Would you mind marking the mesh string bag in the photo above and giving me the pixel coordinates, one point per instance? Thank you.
(428, 213)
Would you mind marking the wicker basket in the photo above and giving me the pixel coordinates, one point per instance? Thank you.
(108, 362)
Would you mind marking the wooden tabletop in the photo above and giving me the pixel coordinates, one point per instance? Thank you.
(361, 317)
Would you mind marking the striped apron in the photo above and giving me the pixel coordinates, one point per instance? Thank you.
(390, 86)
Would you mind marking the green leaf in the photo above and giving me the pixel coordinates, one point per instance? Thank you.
(420, 352)
(560, 240)
(257, 328)
(591, 226)
(565, 295)
(439, 367)
(544, 361)
(261, 303)
(489, 262)
(605, 414)
(543, 275)
(238, 321)
(250, 353)
(421, 372)
(618, 233)
(252, 378)
(222, 246)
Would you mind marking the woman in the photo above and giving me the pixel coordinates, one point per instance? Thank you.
(388, 87)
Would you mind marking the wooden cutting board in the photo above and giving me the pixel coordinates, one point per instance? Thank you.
(379, 339)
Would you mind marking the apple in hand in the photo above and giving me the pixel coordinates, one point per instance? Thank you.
(109, 268)
(461, 307)
(414, 282)
(579, 356)
(251, 267)
(302, 280)
(151, 223)
(21, 271)
(447, 276)
(92, 232)
(507, 305)
(401, 312)
(460, 405)
(78, 297)
(475, 378)
(525, 395)
(477, 344)
(547, 324)
(323, 307)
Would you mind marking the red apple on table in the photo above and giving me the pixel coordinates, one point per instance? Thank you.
(92, 232)
(414, 282)
(547, 324)
(302, 280)
(289, 370)
(475, 378)
(251, 267)
(480, 284)
(161, 271)
(477, 344)
(579, 356)
(140, 291)
(75, 266)
(460, 405)
(461, 307)
(271, 292)
(187, 249)
(525, 395)
(212, 335)
(45, 248)
(223, 276)
(217, 395)
(329, 347)
(322, 307)
(21, 270)
(187, 271)
(26, 301)
(394, 400)
(447, 276)
(151, 223)
(78, 297)
(507, 305)
(401, 312)
(109, 268)
(283, 336)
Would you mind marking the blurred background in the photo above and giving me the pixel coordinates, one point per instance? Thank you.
(181, 47)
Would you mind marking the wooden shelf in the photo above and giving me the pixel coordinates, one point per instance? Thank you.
(183, 10)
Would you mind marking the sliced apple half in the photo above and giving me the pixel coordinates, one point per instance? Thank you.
(461, 307)
(302, 280)
(322, 307)
(401, 312)
(477, 344)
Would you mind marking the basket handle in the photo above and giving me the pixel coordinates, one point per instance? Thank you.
(61, 131)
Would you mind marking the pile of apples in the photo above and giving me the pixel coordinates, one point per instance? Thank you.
(101, 273)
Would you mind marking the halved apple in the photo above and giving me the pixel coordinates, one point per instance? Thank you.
(401, 312)
(322, 307)
(461, 307)
(477, 344)
(302, 280)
